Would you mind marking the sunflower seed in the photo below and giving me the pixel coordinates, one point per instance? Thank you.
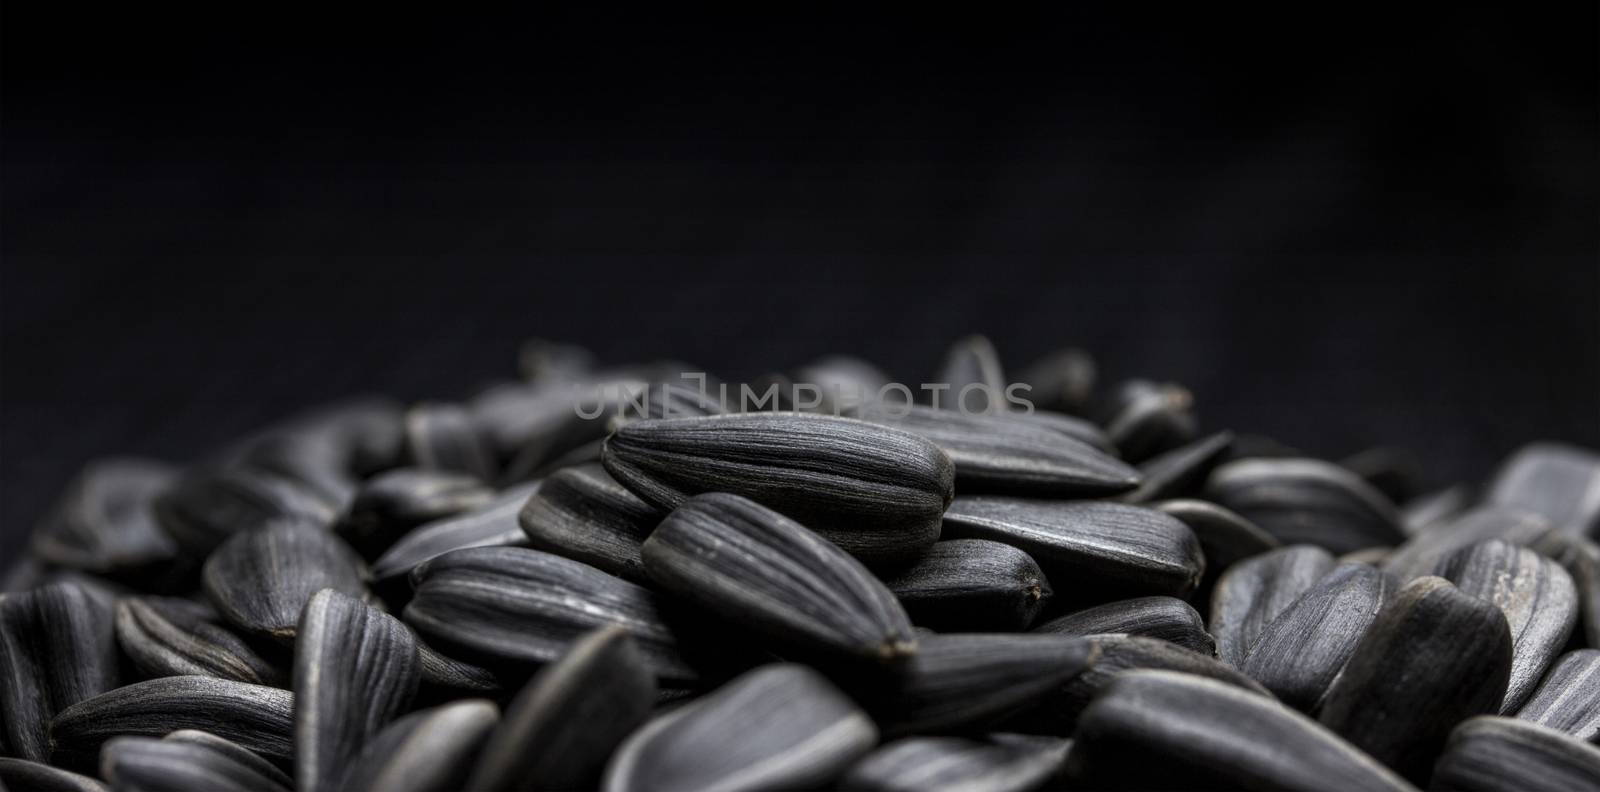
(1490, 754)
(972, 370)
(1254, 591)
(1371, 556)
(443, 671)
(1307, 501)
(104, 523)
(1433, 658)
(256, 717)
(240, 754)
(518, 607)
(1159, 729)
(1001, 763)
(1012, 452)
(1537, 597)
(444, 437)
(844, 382)
(1425, 511)
(971, 585)
(1423, 551)
(146, 764)
(778, 727)
(877, 492)
(1165, 618)
(204, 508)
(367, 431)
(1395, 472)
(603, 683)
(427, 751)
(548, 426)
(1581, 558)
(493, 525)
(390, 504)
(259, 581)
(966, 682)
(1568, 700)
(1560, 482)
(1145, 418)
(1180, 471)
(28, 776)
(1062, 380)
(57, 649)
(313, 460)
(667, 400)
(1225, 538)
(1301, 650)
(1103, 549)
(584, 514)
(174, 637)
(542, 359)
(355, 669)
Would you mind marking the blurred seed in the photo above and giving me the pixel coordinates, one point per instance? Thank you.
(971, 585)
(1254, 591)
(667, 400)
(874, 491)
(206, 507)
(1146, 418)
(541, 359)
(845, 382)
(561, 727)
(1371, 556)
(1151, 729)
(256, 717)
(584, 514)
(1491, 754)
(235, 751)
(105, 524)
(1558, 481)
(1166, 618)
(1537, 597)
(24, 775)
(1101, 549)
(1581, 558)
(777, 727)
(444, 437)
(1307, 501)
(1302, 650)
(1423, 551)
(355, 669)
(1433, 658)
(175, 637)
(431, 750)
(1395, 472)
(147, 764)
(259, 581)
(1013, 452)
(1424, 511)
(390, 504)
(1568, 700)
(365, 432)
(1062, 380)
(1225, 538)
(972, 370)
(759, 570)
(966, 682)
(999, 763)
(57, 649)
(316, 461)
(1180, 471)
(492, 525)
(516, 607)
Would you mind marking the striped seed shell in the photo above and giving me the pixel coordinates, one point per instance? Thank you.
(430, 750)
(24, 775)
(757, 569)
(971, 585)
(1433, 658)
(1253, 592)
(105, 524)
(996, 763)
(1536, 595)
(1302, 650)
(1146, 418)
(877, 492)
(1101, 549)
(972, 370)
(1062, 380)
(1181, 471)
(1166, 618)
(777, 727)
(444, 437)
(968, 682)
(205, 507)
(1423, 551)
(492, 525)
(57, 648)
(1492, 754)
(1568, 700)
(260, 581)
(582, 513)
(447, 672)
(237, 752)
(1442, 506)
(256, 717)
(392, 503)
(1163, 730)
(1581, 558)
(1561, 482)
(147, 764)
(1225, 538)
(1307, 501)
(176, 637)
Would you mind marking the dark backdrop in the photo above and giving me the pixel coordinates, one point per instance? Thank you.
(1336, 230)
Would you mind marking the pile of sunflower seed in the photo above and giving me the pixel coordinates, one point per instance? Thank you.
(532, 589)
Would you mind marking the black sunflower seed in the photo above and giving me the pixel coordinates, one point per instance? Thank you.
(390, 504)
(877, 492)
(1568, 700)
(1063, 380)
(549, 426)
(447, 672)
(1423, 551)
(540, 359)
(366, 432)
(971, 585)
(1166, 618)
(1433, 658)
(105, 523)
(1491, 754)
(444, 437)
(1537, 597)
(492, 525)
(521, 608)
(355, 669)
(313, 460)
(235, 751)
(1395, 472)
(57, 648)
(1225, 538)
(844, 382)
(431, 750)
(1013, 452)
(1160, 730)
(1302, 650)
(1561, 482)
(1581, 558)
(1102, 549)
(759, 570)
(972, 370)
(584, 514)
(777, 727)
(1254, 591)
(147, 764)
(998, 763)
(174, 637)
(256, 717)
(603, 683)
(1424, 511)
(967, 682)
(204, 508)
(668, 400)
(1181, 471)
(24, 775)
(1307, 501)
(259, 581)
(1146, 418)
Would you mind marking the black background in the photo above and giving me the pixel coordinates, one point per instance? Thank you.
(1337, 229)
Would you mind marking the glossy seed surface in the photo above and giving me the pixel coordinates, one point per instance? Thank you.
(971, 585)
